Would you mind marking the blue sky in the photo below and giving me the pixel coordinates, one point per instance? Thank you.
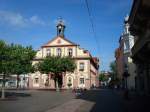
(32, 22)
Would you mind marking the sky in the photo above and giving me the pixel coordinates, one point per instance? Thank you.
(33, 22)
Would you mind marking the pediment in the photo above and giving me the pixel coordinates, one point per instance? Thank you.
(59, 41)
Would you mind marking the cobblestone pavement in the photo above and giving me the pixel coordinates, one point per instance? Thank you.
(35, 101)
(99, 100)
(135, 102)
(105, 100)
(74, 105)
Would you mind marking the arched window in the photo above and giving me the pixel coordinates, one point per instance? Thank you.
(58, 51)
(70, 52)
(48, 52)
(36, 80)
(69, 79)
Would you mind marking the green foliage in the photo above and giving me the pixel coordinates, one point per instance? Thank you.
(56, 65)
(15, 59)
(113, 68)
(22, 57)
(5, 58)
(69, 84)
(102, 77)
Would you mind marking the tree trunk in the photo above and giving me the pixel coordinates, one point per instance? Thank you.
(57, 86)
(17, 81)
(3, 88)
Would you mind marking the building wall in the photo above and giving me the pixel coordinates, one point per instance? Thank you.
(11, 81)
(119, 63)
(88, 75)
(132, 72)
(123, 57)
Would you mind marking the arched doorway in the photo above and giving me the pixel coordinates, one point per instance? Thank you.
(69, 82)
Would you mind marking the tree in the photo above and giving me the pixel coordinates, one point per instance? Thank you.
(5, 64)
(22, 57)
(14, 59)
(102, 77)
(113, 69)
(56, 66)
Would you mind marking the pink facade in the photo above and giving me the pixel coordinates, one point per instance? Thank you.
(38, 82)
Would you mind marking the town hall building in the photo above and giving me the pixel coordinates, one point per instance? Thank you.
(84, 76)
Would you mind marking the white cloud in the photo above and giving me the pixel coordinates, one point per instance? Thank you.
(14, 19)
(37, 20)
(18, 20)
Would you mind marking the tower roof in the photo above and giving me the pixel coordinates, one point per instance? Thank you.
(60, 27)
(60, 21)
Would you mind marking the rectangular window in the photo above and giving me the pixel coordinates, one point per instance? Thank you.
(70, 52)
(58, 51)
(48, 52)
(81, 67)
(126, 46)
(81, 80)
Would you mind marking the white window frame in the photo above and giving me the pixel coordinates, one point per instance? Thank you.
(48, 52)
(81, 66)
(59, 51)
(70, 52)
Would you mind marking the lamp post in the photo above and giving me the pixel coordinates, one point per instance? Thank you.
(125, 75)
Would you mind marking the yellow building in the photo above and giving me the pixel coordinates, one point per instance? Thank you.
(84, 76)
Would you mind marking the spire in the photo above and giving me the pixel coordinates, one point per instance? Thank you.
(126, 25)
(126, 18)
(60, 27)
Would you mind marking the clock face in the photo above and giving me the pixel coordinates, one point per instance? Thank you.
(58, 41)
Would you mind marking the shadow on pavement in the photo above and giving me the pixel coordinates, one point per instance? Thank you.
(137, 104)
(15, 95)
(105, 100)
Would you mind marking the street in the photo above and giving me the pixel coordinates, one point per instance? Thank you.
(74, 55)
(105, 100)
(102, 100)
(35, 101)
(97, 100)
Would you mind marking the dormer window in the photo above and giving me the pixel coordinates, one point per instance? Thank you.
(70, 52)
(48, 52)
(58, 51)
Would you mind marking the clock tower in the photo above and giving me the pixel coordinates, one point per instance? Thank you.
(60, 27)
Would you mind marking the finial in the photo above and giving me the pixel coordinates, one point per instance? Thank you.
(60, 27)
(60, 20)
(126, 18)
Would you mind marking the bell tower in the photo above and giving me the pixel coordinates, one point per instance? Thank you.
(60, 27)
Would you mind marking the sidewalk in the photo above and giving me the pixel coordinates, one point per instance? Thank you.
(135, 103)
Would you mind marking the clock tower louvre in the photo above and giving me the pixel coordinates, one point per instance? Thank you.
(60, 28)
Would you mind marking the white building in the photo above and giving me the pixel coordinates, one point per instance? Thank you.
(126, 44)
